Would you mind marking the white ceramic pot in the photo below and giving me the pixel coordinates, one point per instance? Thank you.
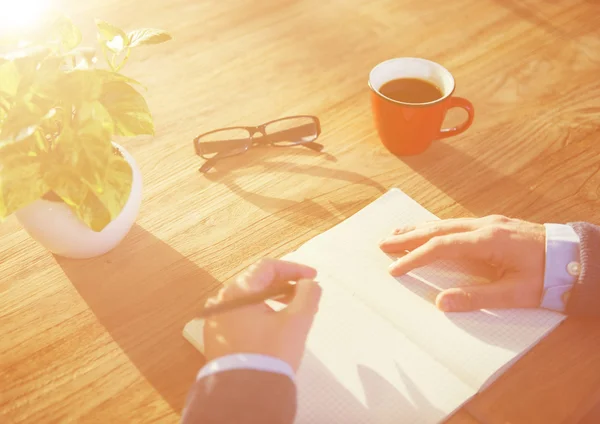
(57, 228)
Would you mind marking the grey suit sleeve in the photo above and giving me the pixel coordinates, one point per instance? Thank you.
(241, 396)
(584, 299)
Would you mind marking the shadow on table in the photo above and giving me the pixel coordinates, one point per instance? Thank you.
(143, 293)
(291, 210)
(473, 185)
(322, 398)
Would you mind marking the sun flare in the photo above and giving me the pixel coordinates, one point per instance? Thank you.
(21, 14)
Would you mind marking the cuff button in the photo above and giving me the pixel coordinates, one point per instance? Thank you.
(574, 269)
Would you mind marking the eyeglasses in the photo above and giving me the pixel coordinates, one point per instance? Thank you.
(285, 132)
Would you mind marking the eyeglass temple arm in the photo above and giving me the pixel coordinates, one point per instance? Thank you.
(207, 147)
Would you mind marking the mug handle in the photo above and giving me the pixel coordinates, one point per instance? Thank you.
(466, 105)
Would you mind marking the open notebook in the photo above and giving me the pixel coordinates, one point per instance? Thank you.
(379, 350)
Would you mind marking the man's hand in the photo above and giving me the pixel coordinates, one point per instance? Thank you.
(258, 328)
(516, 248)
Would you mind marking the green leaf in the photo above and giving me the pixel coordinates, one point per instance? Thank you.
(65, 148)
(117, 185)
(66, 184)
(27, 59)
(93, 213)
(93, 161)
(9, 79)
(22, 121)
(81, 153)
(39, 89)
(109, 31)
(80, 85)
(94, 120)
(21, 181)
(34, 52)
(110, 76)
(39, 71)
(94, 132)
(64, 172)
(146, 36)
(98, 209)
(68, 34)
(128, 109)
(112, 36)
(4, 109)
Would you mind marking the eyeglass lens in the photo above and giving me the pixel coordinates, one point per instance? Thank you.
(283, 132)
(226, 142)
(292, 131)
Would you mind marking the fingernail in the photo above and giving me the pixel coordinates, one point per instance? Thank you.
(447, 304)
(458, 301)
(393, 267)
(402, 230)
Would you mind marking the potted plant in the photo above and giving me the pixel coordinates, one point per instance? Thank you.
(69, 184)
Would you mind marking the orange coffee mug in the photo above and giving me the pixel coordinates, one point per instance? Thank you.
(410, 98)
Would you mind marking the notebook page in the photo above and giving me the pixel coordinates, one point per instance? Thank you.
(358, 368)
(474, 345)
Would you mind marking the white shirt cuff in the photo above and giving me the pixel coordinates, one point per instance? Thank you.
(246, 361)
(562, 265)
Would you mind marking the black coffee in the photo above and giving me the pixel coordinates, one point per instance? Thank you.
(411, 90)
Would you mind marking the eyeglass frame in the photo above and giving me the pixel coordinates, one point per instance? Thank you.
(248, 143)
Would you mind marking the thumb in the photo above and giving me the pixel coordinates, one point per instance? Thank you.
(503, 294)
(306, 299)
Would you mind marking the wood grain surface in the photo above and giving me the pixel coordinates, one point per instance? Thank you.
(100, 340)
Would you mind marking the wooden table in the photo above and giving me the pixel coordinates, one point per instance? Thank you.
(100, 340)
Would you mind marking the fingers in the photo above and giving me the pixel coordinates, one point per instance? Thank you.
(264, 273)
(472, 244)
(409, 238)
(211, 301)
(306, 299)
(506, 293)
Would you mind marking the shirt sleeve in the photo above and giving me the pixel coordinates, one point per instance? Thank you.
(253, 361)
(562, 267)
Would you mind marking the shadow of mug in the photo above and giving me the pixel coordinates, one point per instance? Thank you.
(408, 120)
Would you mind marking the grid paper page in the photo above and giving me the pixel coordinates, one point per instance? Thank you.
(358, 369)
(474, 345)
